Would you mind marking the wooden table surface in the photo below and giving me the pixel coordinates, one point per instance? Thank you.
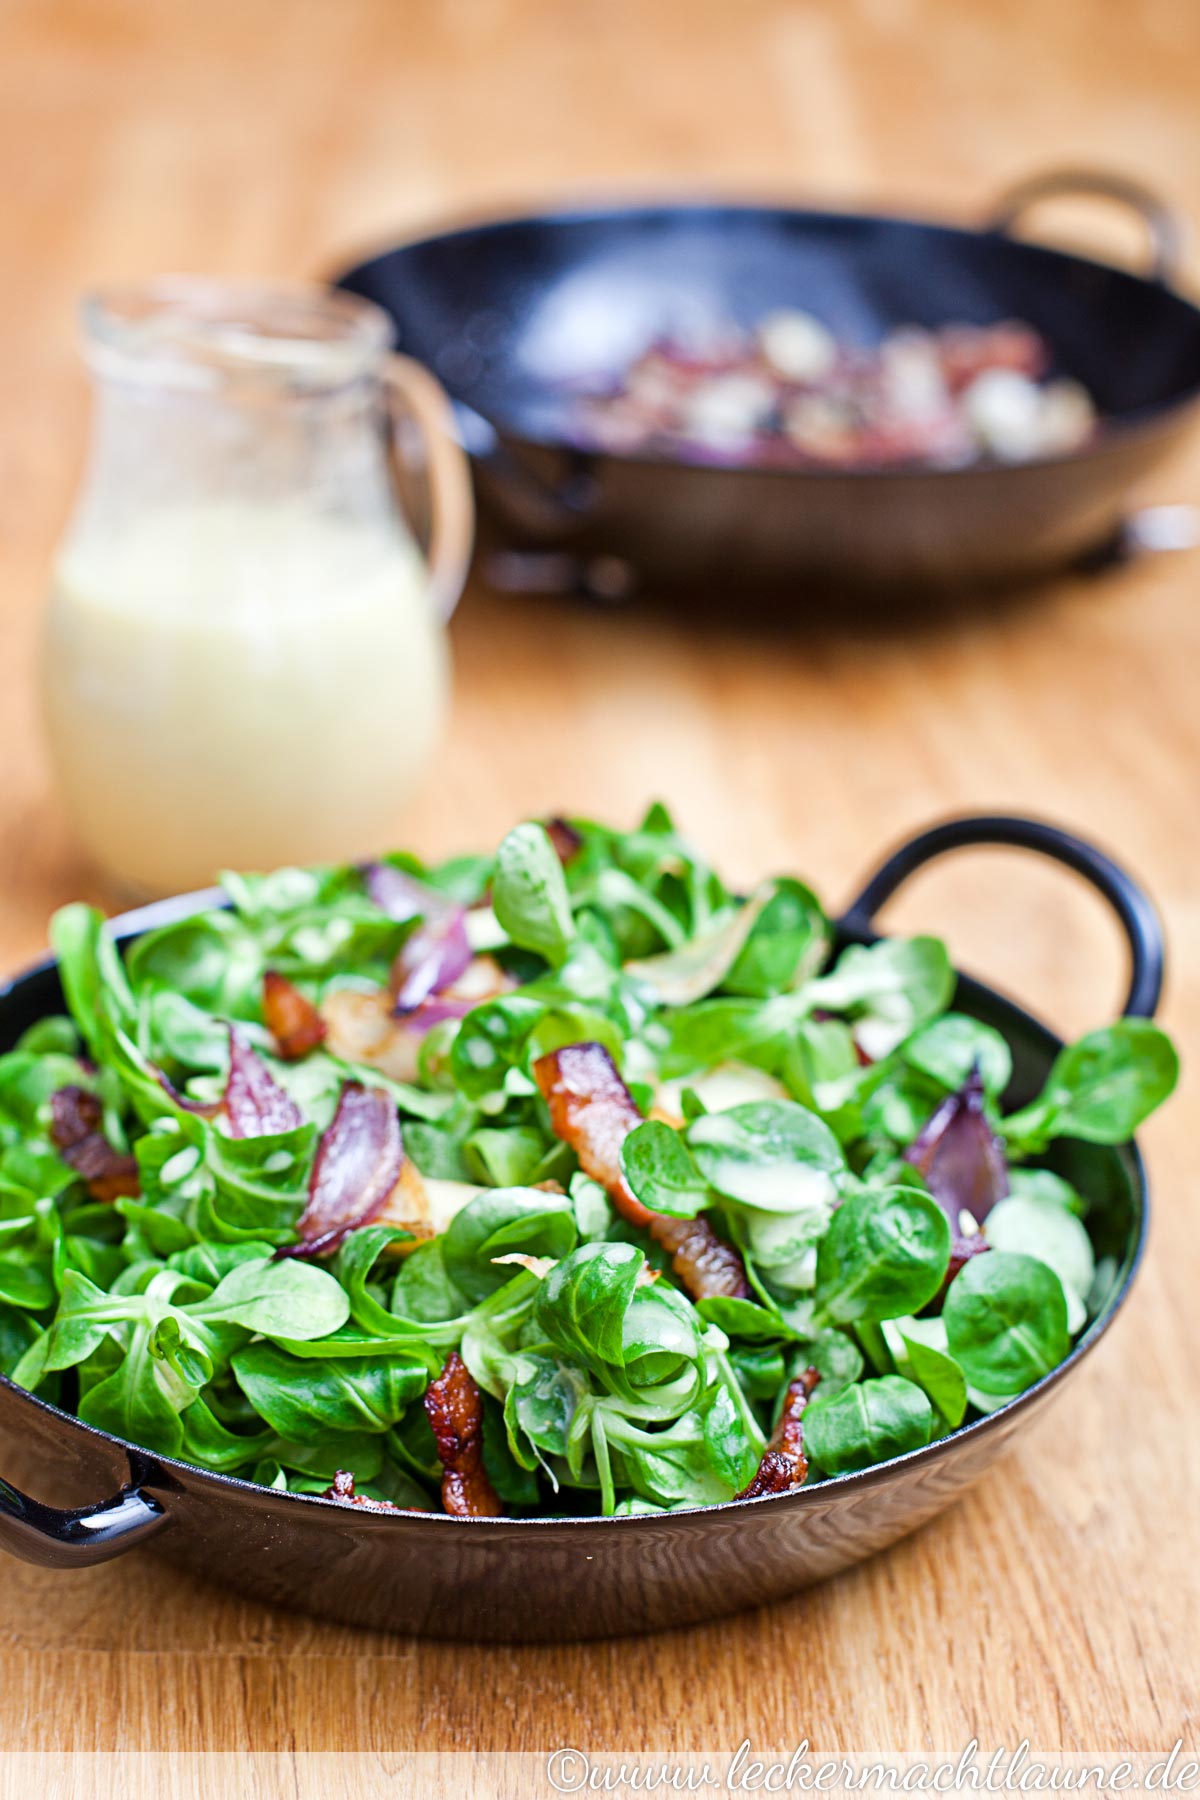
(1059, 1601)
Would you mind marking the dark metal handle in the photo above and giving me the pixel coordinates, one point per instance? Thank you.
(58, 1539)
(1143, 929)
(539, 504)
(1164, 228)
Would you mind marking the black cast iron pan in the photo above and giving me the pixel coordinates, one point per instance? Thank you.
(526, 1580)
(503, 312)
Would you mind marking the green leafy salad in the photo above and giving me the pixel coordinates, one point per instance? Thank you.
(558, 1181)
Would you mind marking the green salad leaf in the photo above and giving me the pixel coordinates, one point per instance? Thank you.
(768, 1169)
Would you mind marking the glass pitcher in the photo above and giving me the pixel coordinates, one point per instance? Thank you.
(245, 657)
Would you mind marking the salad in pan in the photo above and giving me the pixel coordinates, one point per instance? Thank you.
(552, 1182)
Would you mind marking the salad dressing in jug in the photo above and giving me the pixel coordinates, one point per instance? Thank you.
(245, 662)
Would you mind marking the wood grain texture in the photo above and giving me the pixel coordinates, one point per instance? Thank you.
(1059, 1601)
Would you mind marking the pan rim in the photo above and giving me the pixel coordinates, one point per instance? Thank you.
(1116, 432)
(128, 926)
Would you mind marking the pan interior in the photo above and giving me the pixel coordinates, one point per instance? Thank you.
(512, 316)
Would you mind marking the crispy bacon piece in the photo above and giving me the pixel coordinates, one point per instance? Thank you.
(76, 1116)
(358, 1163)
(592, 1110)
(960, 1156)
(293, 1021)
(784, 1464)
(343, 1490)
(454, 1408)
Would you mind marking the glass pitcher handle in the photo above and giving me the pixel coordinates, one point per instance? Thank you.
(433, 477)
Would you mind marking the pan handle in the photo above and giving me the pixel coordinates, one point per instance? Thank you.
(1164, 228)
(540, 505)
(58, 1539)
(1140, 921)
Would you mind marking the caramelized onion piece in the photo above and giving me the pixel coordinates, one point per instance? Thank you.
(960, 1156)
(431, 958)
(962, 1248)
(76, 1117)
(293, 1021)
(784, 1464)
(397, 893)
(358, 1163)
(343, 1490)
(255, 1105)
(438, 951)
(592, 1110)
(454, 1408)
(203, 1109)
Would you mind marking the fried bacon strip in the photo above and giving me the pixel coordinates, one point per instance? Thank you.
(784, 1464)
(343, 1490)
(358, 1163)
(76, 1116)
(293, 1021)
(592, 1110)
(454, 1408)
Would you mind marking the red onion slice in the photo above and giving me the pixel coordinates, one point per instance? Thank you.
(401, 895)
(960, 1156)
(357, 1165)
(255, 1105)
(432, 958)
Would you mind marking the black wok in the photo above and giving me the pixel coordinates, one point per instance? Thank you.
(503, 312)
(532, 1579)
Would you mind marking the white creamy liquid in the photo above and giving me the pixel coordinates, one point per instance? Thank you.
(240, 685)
